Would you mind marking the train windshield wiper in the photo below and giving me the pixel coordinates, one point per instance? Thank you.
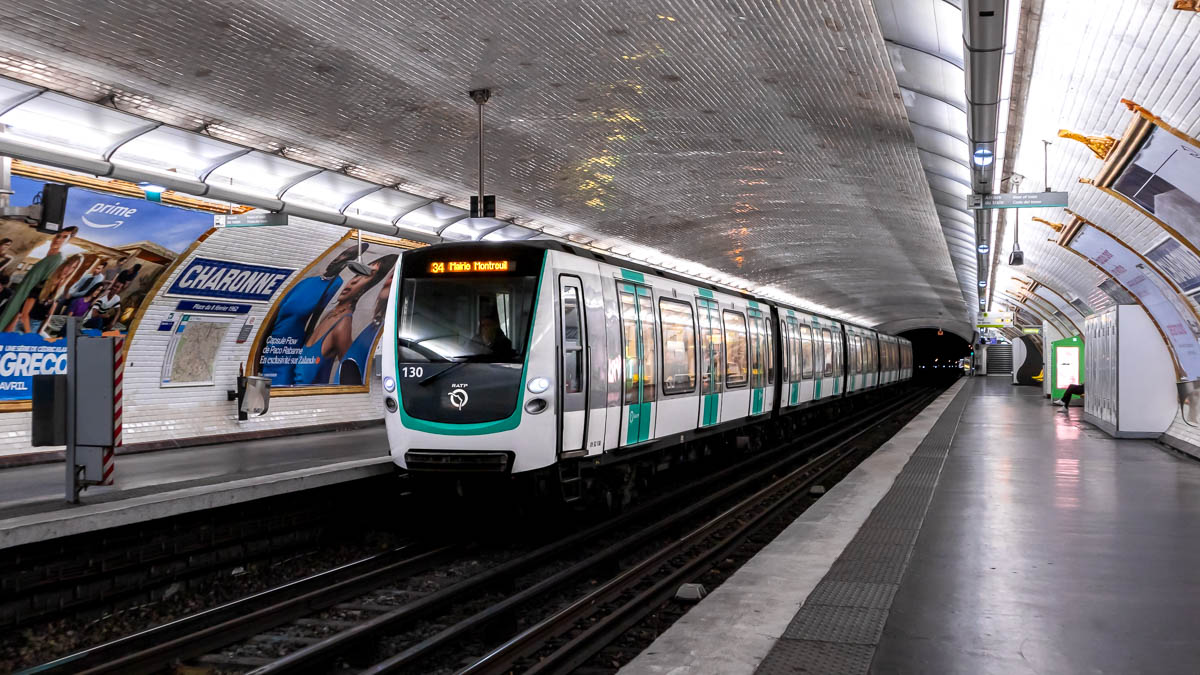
(459, 361)
(415, 345)
(442, 372)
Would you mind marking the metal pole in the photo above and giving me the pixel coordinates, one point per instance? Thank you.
(1046, 164)
(72, 469)
(481, 159)
(480, 96)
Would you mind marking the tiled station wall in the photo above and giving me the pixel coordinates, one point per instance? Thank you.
(153, 413)
(1183, 437)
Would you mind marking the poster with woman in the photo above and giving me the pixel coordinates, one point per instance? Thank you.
(99, 268)
(323, 329)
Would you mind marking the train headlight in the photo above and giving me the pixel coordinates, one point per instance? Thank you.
(389, 384)
(538, 385)
(390, 404)
(535, 405)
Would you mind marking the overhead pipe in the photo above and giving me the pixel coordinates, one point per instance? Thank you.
(983, 50)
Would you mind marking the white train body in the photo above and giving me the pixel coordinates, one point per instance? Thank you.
(515, 357)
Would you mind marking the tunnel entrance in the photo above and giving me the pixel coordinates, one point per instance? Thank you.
(937, 356)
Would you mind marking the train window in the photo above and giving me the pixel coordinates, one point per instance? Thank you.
(649, 359)
(629, 330)
(855, 354)
(712, 363)
(736, 359)
(572, 336)
(806, 348)
(679, 347)
(481, 319)
(827, 344)
(785, 334)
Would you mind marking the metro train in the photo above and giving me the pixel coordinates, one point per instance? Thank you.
(576, 370)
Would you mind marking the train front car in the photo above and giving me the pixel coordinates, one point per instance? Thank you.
(471, 351)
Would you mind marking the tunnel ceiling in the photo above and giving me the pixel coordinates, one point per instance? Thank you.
(767, 140)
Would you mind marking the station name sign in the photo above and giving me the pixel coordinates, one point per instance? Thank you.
(208, 278)
(1018, 200)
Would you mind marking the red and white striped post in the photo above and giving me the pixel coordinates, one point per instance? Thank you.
(108, 459)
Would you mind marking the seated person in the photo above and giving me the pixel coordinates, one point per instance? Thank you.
(1070, 391)
(491, 338)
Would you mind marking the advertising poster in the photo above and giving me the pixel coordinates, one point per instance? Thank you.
(323, 329)
(99, 268)
(1177, 323)
(1178, 262)
(1164, 179)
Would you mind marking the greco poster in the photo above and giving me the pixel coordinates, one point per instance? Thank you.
(323, 329)
(99, 268)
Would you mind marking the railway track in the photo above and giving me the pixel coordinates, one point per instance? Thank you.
(362, 615)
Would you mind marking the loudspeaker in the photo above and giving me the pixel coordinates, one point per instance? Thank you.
(54, 208)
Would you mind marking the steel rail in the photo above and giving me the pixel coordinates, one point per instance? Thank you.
(583, 646)
(157, 648)
(320, 654)
(407, 658)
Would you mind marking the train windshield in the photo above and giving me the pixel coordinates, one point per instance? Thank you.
(475, 319)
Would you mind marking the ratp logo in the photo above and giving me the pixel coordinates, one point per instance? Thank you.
(458, 397)
(105, 216)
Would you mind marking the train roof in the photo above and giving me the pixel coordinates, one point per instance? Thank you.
(552, 245)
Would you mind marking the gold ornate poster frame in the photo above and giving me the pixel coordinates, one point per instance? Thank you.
(324, 389)
(1074, 228)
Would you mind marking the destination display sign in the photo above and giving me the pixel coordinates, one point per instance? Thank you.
(1018, 200)
(465, 266)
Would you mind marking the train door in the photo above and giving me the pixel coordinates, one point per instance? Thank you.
(758, 361)
(639, 359)
(787, 358)
(573, 364)
(712, 361)
(735, 401)
(807, 361)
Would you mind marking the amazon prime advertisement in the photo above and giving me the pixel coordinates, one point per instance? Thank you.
(324, 328)
(98, 268)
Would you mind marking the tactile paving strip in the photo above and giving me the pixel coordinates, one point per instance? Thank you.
(839, 626)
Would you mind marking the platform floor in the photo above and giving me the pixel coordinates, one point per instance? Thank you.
(1015, 539)
(39, 488)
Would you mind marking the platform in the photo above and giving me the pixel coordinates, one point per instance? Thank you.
(993, 534)
(170, 482)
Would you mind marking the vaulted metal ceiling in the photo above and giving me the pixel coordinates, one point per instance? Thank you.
(769, 141)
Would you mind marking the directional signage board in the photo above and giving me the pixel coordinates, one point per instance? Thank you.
(995, 320)
(1018, 200)
(251, 219)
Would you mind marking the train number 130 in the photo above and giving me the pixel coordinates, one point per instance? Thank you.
(412, 371)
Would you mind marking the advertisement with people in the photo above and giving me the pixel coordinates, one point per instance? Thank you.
(98, 268)
(324, 328)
